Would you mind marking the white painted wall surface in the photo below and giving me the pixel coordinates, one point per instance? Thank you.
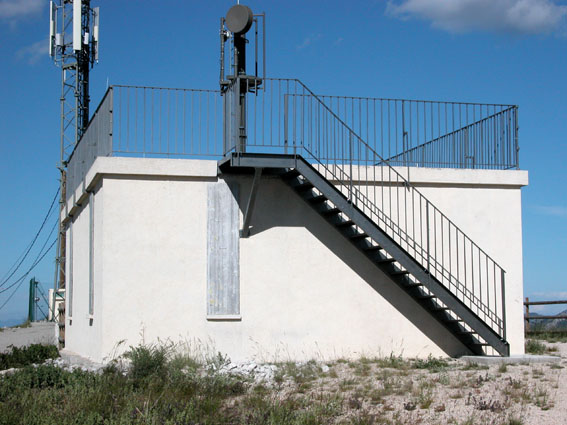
(305, 292)
(83, 332)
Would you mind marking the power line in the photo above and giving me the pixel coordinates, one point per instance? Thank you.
(21, 279)
(36, 261)
(30, 246)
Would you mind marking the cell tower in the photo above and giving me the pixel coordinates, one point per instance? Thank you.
(73, 45)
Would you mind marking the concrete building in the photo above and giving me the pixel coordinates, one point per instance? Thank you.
(306, 244)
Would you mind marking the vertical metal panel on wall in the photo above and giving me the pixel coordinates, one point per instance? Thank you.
(223, 257)
(91, 253)
(70, 280)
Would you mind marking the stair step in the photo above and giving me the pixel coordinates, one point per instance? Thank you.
(346, 223)
(331, 211)
(426, 297)
(358, 236)
(290, 174)
(386, 260)
(303, 186)
(399, 273)
(439, 308)
(372, 248)
(317, 199)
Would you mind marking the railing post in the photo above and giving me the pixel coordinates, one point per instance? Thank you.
(516, 146)
(427, 229)
(286, 114)
(111, 124)
(351, 159)
(503, 285)
(527, 326)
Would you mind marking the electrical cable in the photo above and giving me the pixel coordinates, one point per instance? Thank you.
(36, 261)
(30, 246)
(21, 280)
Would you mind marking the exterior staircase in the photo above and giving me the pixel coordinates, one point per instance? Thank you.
(373, 242)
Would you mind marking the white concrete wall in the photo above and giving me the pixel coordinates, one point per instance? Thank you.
(83, 331)
(305, 292)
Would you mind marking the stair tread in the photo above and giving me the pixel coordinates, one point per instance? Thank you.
(398, 273)
(317, 199)
(290, 174)
(345, 223)
(386, 260)
(426, 297)
(358, 236)
(303, 186)
(373, 248)
(331, 211)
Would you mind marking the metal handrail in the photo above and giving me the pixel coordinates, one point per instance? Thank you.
(431, 244)
(396, 127)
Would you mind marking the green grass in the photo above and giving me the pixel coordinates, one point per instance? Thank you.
(160, 387)
(558, 336)
(35, 353)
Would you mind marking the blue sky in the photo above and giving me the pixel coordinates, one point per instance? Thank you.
(510, 51)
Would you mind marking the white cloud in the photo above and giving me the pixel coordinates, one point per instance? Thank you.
(14, 9)
(34, 52)
(512, 16)
(307, 41)
(553, 210)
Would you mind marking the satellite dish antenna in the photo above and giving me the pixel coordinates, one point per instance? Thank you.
(239, 19)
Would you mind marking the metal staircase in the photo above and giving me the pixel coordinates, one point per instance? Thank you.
(377, 210)
(376, 245)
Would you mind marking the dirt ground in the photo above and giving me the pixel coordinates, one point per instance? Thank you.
(402, 392)
(36, 333)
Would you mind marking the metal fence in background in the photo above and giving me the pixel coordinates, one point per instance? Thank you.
(537, 318)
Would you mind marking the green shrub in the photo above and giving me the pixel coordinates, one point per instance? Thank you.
(20, 357)
(534, 347)
(147, 361)
(431, 363)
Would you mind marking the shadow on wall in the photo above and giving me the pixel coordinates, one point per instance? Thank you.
(292, 211)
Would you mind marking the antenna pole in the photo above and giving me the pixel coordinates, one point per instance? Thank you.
(73, 45)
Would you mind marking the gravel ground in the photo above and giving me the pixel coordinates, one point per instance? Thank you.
(532, 394)
(37, 333)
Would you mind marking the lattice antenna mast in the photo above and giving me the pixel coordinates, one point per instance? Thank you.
(73, 46)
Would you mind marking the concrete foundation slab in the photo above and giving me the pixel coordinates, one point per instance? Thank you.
(519, 359)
